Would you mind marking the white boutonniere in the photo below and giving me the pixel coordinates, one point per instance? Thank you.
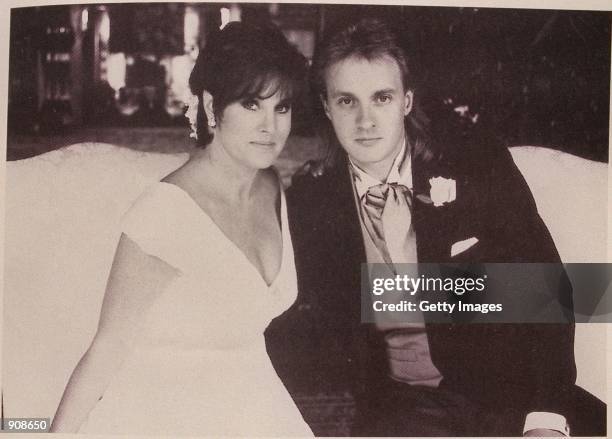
(442, 191)
(192, 115)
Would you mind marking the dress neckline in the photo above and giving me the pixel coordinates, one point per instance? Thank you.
(232, 244)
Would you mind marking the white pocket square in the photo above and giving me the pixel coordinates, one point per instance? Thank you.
(461, 246)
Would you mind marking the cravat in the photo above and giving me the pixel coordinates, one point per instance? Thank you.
(388, 220)
(386, 212)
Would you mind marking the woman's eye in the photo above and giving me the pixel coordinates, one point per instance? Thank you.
(250, 105)
(282, 109)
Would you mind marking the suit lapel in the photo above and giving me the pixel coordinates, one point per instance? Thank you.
(348, 255)
(432, 224)
(345, 232)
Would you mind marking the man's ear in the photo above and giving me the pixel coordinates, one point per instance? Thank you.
(408, 101)
(207, 101)
(325, 106)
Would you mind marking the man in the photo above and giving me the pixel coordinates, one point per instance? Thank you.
(427, 379)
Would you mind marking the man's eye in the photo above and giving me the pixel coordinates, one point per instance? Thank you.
(282, 109)
(383, 99)
(345, 101)
(250, 105)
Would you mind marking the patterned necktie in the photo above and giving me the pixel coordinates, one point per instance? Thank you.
(388, 220)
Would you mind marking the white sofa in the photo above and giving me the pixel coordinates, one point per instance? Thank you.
(572, 197)
(62, 215)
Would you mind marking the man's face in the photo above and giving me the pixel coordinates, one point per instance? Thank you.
(366, 103)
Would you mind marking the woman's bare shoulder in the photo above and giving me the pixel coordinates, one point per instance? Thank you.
(185, 178)
(135, 280)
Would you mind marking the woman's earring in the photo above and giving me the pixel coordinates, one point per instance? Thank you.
(207, 104)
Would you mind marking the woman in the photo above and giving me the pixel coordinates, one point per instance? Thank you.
(204, 263)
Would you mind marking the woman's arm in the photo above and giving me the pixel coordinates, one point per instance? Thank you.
(135, 280)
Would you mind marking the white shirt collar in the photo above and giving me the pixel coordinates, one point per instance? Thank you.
(397, 173)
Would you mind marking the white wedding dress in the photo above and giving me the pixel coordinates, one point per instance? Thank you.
(199, 365)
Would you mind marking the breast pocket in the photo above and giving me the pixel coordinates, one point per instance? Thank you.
(466, 249)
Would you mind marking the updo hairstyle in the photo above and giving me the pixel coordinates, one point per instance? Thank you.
(241, 62)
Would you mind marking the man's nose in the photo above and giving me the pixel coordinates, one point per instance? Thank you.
(365, 117)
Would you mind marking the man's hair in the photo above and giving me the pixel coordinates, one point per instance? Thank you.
(369, 39)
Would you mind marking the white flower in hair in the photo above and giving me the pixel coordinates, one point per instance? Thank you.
(192, 115)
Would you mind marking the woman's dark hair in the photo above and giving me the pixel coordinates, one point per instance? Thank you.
(370, 39)
(244, 61)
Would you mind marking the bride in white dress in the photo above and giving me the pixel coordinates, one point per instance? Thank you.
(204, 263)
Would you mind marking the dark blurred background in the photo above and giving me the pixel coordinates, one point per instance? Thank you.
(118, 73)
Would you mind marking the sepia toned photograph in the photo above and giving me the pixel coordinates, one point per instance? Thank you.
(198, 195)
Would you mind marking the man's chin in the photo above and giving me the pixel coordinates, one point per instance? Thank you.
(370, 158)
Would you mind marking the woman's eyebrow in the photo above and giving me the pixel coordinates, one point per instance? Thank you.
(284, 101)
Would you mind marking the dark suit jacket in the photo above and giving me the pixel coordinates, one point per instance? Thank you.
(320, 345)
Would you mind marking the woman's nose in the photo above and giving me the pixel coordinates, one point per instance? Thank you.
(268, 122)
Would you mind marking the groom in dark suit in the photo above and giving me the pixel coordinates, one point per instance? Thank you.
(390, 193)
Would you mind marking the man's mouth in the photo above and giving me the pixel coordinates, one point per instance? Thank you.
(366, 141)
